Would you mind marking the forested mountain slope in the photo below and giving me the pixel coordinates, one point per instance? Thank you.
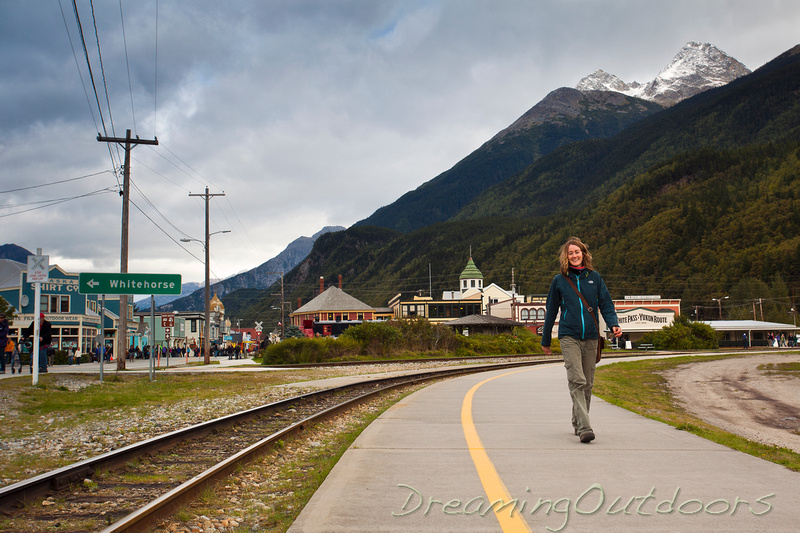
(562, 118)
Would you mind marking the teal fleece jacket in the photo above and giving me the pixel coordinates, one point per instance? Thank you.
(576, 320)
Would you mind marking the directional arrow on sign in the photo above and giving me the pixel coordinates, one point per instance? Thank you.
(92, 283)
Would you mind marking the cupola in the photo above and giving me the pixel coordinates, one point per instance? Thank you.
(471, 277)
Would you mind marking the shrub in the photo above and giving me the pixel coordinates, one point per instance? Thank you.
(375, 338)
(519, 342)
(405, 338)
(684, 334)
(419, 335)
(297, 351)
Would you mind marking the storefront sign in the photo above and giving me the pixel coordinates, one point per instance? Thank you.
(641, 319)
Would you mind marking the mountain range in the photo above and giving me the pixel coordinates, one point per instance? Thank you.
(692, 198)
(696, 68)
(596, 109)
(260, 277)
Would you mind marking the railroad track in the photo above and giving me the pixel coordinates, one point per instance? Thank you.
(133, 488)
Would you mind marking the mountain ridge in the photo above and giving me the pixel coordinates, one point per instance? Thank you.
(695, 68)
(592, 111)
(259, 277)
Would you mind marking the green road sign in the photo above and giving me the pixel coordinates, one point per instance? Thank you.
(105, 283)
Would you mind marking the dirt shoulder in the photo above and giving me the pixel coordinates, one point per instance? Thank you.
(734, 395)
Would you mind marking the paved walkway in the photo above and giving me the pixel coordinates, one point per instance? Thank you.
(436, 460)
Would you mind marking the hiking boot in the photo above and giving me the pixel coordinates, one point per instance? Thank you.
(587, 436)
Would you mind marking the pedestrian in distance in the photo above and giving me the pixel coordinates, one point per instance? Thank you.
(578, 292)
(15, 362)
(45, 338)
(3, 341)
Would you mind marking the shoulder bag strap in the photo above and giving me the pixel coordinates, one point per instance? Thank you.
(591, 310)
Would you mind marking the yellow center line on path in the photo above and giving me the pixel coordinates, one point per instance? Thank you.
(510, 521)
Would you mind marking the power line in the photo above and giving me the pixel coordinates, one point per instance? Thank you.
(49, 203)
(77, 65)
(55, 182)
(127, 63)
(102, 67)
(157, 211)
(155, 82)
(88, 62)
(164, 232)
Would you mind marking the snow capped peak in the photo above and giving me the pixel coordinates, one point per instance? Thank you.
(696, 68)
(600, 80)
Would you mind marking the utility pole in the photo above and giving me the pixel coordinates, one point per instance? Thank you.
(122, 331)
(207, 336)
(283, 325)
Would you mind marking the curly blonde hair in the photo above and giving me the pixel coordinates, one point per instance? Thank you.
(563, 257)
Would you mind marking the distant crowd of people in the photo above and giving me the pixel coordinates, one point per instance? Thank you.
(10, 351)
(780, 340)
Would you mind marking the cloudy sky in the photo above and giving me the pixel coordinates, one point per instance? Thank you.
(304, 113)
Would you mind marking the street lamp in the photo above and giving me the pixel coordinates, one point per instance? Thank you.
(207, 336)
(794, 316)
(719, 301)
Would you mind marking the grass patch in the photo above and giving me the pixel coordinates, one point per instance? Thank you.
(127, 391)
(68, 401)
(639, 386)
(791, 369)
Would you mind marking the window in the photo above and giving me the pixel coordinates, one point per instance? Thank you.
(57, 303)
(524, 314)
(540, 314)
(472, 283)
(413, 310)
(360, 316)
(194, 325)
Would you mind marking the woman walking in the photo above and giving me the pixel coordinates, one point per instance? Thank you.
(578, 292)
